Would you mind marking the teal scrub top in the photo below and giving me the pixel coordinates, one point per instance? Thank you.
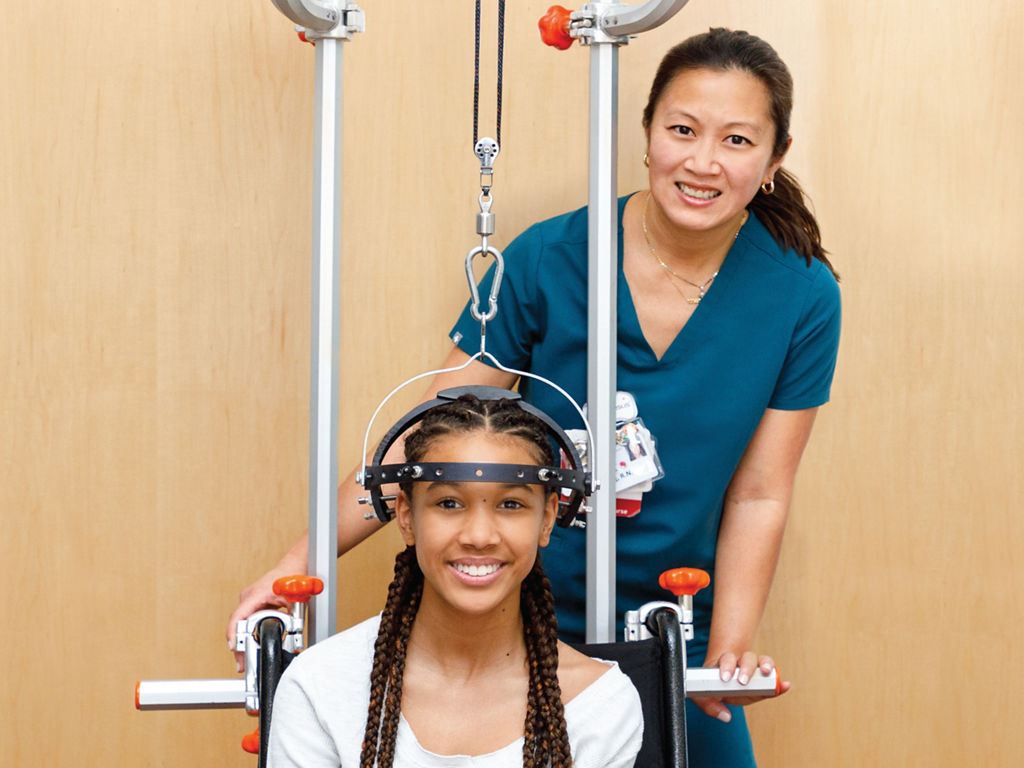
(764, 336)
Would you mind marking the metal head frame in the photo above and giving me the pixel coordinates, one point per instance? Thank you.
(573, 478)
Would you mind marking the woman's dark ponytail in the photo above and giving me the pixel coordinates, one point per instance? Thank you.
(787, 218)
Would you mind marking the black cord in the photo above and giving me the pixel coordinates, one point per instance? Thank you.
(476, 78)
(476, 72)
(501, 50)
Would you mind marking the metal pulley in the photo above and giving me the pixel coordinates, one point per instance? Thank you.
(486, 150)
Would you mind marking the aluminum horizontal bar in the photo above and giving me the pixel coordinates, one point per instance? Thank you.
(190, 694)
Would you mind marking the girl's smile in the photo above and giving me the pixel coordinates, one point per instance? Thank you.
(476, 573)
(476, 541)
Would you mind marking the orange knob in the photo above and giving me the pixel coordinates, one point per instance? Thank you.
(684, 581)
(298, 589)
(251, 742)
(554, 27)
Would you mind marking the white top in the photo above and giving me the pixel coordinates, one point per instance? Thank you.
(321, 704)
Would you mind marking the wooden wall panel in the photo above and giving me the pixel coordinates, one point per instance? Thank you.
(911, 586)
(155, 177)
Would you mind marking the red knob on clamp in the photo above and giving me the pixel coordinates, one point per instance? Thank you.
(554, 27)
(684, 581)
(298, 589)
(251, 742)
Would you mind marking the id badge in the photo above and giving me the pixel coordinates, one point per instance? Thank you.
(636, 460)
(637, 466)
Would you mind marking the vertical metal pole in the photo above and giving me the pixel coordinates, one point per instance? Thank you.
(326, 314)
(601, 347)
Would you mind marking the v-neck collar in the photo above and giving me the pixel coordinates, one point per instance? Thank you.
(636, 349)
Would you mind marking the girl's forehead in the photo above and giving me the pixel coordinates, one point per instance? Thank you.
(481, 445)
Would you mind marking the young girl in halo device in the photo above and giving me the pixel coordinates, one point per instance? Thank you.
(463, 667)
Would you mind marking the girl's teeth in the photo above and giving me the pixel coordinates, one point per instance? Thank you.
(476, 570)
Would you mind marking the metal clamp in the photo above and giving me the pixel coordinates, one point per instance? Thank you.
(246, 641)
(630, 20)
(602, 22)
(636, 621)
(586, 24)
(319, 20)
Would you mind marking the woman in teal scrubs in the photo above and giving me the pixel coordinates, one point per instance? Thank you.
(728, 326)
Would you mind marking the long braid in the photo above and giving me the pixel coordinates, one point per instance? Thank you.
(389, 661)
(546, 738)
(535, 747)
(393, 705)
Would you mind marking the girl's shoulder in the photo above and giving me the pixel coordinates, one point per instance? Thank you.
(577, 671)
(603, 713)
(347, 653)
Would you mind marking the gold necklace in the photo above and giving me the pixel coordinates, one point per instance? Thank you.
(702, 287)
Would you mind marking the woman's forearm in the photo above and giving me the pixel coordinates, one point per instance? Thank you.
(749, 541)
(750, 534)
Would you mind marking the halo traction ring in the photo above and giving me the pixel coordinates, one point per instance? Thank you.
(574, 479)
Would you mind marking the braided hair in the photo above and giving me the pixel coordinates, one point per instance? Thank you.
(545, 736)
(388, 669)
(546, 741)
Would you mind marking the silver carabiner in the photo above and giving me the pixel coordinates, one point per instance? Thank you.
(499, 271)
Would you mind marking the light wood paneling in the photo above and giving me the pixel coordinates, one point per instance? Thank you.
(155, 177)
(900, 582)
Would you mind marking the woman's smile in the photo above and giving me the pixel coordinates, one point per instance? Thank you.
(697, 192)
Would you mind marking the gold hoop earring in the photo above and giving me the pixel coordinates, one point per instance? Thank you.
(647, 161)
(768, 187)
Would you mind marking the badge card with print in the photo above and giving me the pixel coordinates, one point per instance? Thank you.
(636, 460)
